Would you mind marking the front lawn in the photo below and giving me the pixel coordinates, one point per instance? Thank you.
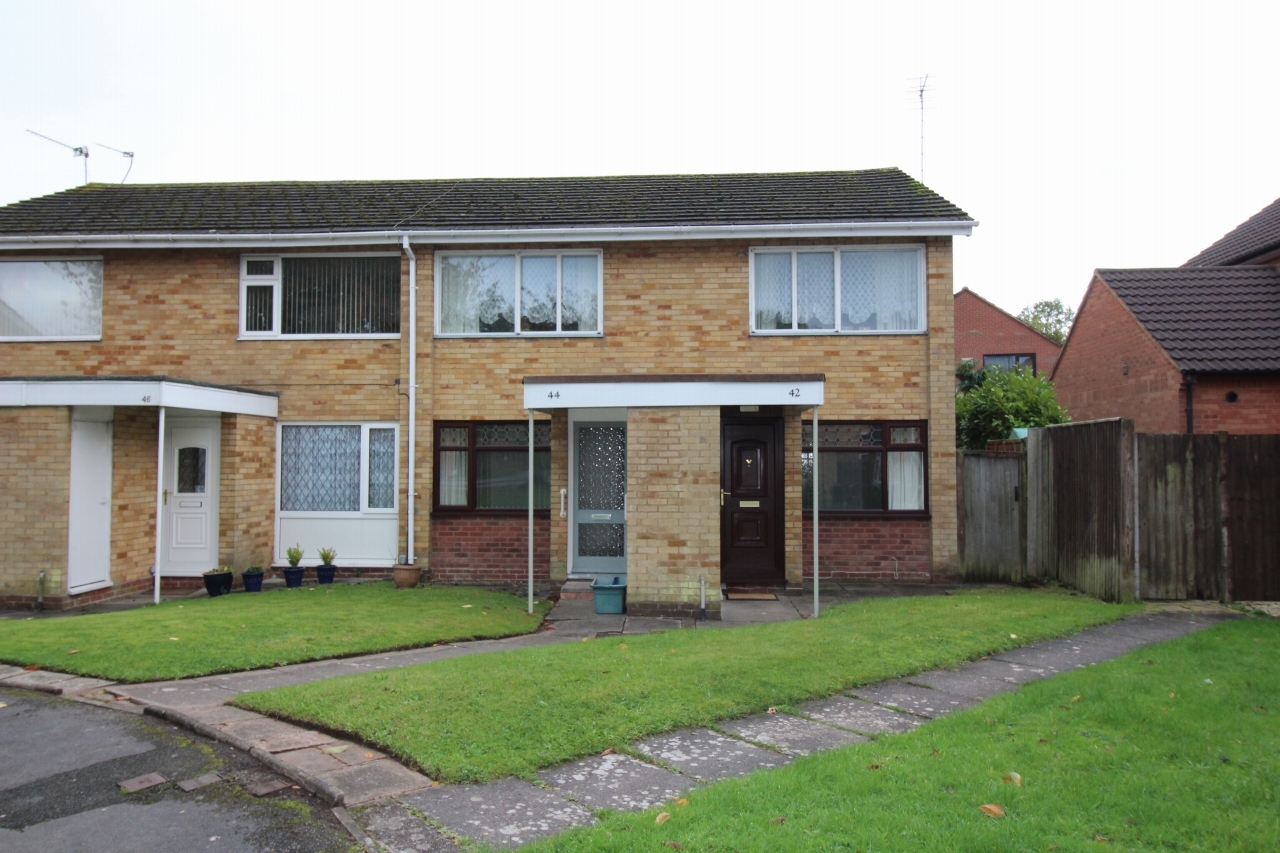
(515, 712)
(1172, 747)
(201, 636)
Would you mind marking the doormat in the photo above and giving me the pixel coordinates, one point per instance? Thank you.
(751, 596)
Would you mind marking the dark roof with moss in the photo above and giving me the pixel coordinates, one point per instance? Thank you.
(1256, 236)
(1209, 319)
(873, 195)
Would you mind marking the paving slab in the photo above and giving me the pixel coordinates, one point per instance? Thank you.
(174, 694)
(6, 671)
(709, 755)
(653, 624)
(923, 701)
(399, 830)
(375, 779)
(790, 734)
(1115, 642)
(754, 612)
(141, 783)
(617, 782)
(1014, 673)
(220, 715)
(1162, 625)
(505, 813)
(79, 685)
(37, 679)
(859, 716)
(312, 760)
(963, 682)
(190, 785)
(355, 754)
(1061, 655)
(274, 735)
(269, 786)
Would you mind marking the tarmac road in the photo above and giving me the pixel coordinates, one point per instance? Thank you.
(61, 762)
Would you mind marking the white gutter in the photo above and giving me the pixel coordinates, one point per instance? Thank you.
(592, 234)
(413, 386)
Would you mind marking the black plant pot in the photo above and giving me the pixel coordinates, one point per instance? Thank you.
(293, 577)
(324, 574)
(218, 584)
(252, 581)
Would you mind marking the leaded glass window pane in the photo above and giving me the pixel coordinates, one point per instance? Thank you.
(477, 294)
(542, 433)
(320, 468)
(844, 435)
(340, 296)
(191, 470)
(538, 293)
(453, 477)
(454, 437)
(905, 435)
(880, 291)
(50, 299)
(816, 290)
(580, 287)
(773, 290)
(382, 469)
(502, 435)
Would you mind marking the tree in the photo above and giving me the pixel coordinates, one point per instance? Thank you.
(1049, 317)
(1003, 400)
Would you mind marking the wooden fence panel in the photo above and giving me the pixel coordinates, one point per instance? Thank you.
(1206, 518)
(1166, 501)
(992, 518)
(1253, 517)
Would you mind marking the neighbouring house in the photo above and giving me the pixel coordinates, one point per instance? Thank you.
(1191, 349)
(207, 374)
(988, 335)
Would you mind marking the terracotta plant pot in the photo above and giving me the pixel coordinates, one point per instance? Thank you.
(406, 577)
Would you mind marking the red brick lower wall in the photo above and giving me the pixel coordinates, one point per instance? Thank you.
(489, 549)
(1256, 408)
(859, 549)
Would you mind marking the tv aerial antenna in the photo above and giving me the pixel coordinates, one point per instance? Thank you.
(919, 87)
(127, 154)
(76, 151)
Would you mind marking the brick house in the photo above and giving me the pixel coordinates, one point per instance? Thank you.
(197, 375)
(987, 334)
(1191, 349)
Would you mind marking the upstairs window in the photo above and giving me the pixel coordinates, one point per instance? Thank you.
(484, 466)
(867, 468)
(837, 290)
(320, 296)
(518, 293)
(51, 300)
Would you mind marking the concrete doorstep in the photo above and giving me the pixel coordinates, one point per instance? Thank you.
(403, 810)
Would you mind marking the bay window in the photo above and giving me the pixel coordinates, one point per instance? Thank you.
(320, 296)
(869, 467)
(837, 290)
(51, 300)
(484, 466)
(518, 293)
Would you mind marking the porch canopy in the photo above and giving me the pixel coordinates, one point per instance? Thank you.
(645, 390)
(162, 392)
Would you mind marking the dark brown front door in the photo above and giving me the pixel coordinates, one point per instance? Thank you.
(751, 508)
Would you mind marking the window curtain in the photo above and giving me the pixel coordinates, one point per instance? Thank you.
(580, 287)
(50, 299)
(320, 469)
(340, 296)
(906, 480)
(453, 478)
(477, 294)
(880, 291)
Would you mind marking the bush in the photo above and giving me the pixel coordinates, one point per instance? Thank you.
(1001, 401)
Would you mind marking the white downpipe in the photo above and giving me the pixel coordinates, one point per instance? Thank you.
(531, 510)
(413, 388)
(815, 513)
(159, 501)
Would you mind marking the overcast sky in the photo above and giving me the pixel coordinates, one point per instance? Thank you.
(1091, 135)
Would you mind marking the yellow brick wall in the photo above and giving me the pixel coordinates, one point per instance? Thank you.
(35, 483)
(247, 486)
(133, 493)
(673, 514)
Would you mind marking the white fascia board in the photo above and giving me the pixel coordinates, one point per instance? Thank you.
(139, 393)
(926, 228)
(625, 395)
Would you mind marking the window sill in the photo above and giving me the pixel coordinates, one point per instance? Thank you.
(473, 335)
(872, 515)
(445, 512)
(796, 333)
(378, 337)
(23, 339)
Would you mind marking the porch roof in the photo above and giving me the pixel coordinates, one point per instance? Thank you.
(604, 391)
(136, 391)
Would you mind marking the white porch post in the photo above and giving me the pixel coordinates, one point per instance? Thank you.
(531, 510)
(815, 513)
(159, 498)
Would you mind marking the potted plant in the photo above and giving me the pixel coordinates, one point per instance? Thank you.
(252, 578)
(324, 571)
(218, 581)
(293, 574)
(406, 577)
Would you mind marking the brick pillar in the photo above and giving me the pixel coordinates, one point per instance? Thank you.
(559, 480)
(942, 409)
(673, 519)
(246, 511)
(793, 500)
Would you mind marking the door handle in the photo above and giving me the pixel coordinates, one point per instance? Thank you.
(722, 494)
(563, 494)
(166, 497)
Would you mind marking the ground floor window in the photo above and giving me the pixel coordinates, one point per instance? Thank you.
(483, 466)
(867, 467)
(338, 467)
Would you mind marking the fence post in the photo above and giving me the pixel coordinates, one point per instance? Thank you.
(1223, 512)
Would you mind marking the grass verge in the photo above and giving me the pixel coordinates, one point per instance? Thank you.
(201, 636)
(512, 713)
(1172, 747)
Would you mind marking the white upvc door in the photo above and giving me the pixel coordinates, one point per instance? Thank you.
(89, 522)
(190, 517)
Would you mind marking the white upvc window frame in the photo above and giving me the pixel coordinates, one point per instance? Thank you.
(365, 510)
(559, 255)
(922, 288)
(276, 281)
(55, 338)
